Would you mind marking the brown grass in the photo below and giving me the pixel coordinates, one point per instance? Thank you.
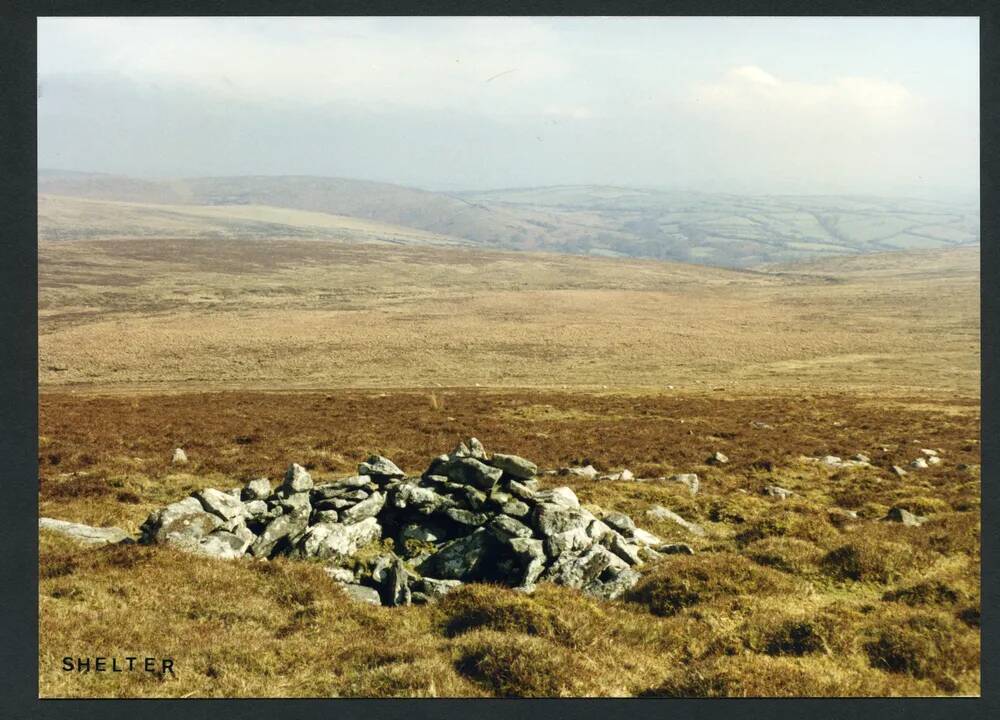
(190, 314)
(778, 601)
(147, 345)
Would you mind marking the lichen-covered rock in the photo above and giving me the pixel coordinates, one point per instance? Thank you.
(464, 558)
(569, 541)
(658, 512)
(470, 471)
(378, 466)
(901, 515)
(222, 545)
(558, 496)
(182, 523)
(348, 488)
(505, 527)
(588, 472)
(625, 550)
(530, 554)
(396, 585)
(579, 570)
(516, 509)
(423, 498)
(777, 492)
(259, 489)
(690, 480)
(337, 540)
(520, 490)
(324, 516)
(219, 503)
(367, 508)
(436, 589)
(548, 519)
(676, 549)
(620, 522)
(296, 479)
(85, 533)
(612, 583)
(340, 574)
(296, 502)
(466, 517)
(285, 529)
(515, 466)
(361, 593)
(644, 537)
(254, 508)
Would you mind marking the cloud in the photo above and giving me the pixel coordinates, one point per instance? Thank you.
(750, 90)
(569, 112)
(513, 101)
(426, 63)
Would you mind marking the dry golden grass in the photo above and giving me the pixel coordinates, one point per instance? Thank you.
(146, 345)
(184, 314)
(783, 597)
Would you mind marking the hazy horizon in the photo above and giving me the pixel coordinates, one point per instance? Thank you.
(765, 106)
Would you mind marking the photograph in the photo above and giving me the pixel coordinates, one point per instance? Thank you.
(508, 357)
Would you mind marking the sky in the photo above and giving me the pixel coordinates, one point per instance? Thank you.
(746, 105)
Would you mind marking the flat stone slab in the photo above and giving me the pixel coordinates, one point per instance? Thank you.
(85, 533)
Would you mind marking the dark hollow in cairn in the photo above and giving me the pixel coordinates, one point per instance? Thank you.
(471, 517)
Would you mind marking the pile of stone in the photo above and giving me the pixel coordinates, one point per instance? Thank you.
(393, 539)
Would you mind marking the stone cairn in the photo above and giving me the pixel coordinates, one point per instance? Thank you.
(471, 517)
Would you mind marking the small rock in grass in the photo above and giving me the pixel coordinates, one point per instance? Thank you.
(777, 492)
(717, 458)
(688, 479)
(676, 549)
(361, 593)
(898, 514)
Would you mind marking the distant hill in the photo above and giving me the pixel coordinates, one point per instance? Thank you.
(78, 218)
(712, 229)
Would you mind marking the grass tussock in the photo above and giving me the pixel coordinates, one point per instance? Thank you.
(866, 559)
(493, 608)
(754, 675)
(788, 554)
(927, 645)
(513, 665)
(693, 580)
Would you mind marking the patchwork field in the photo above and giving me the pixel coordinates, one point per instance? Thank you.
(737, 231)
(252, 354)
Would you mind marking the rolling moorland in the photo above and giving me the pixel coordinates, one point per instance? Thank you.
(253, 336)
(711, 229)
